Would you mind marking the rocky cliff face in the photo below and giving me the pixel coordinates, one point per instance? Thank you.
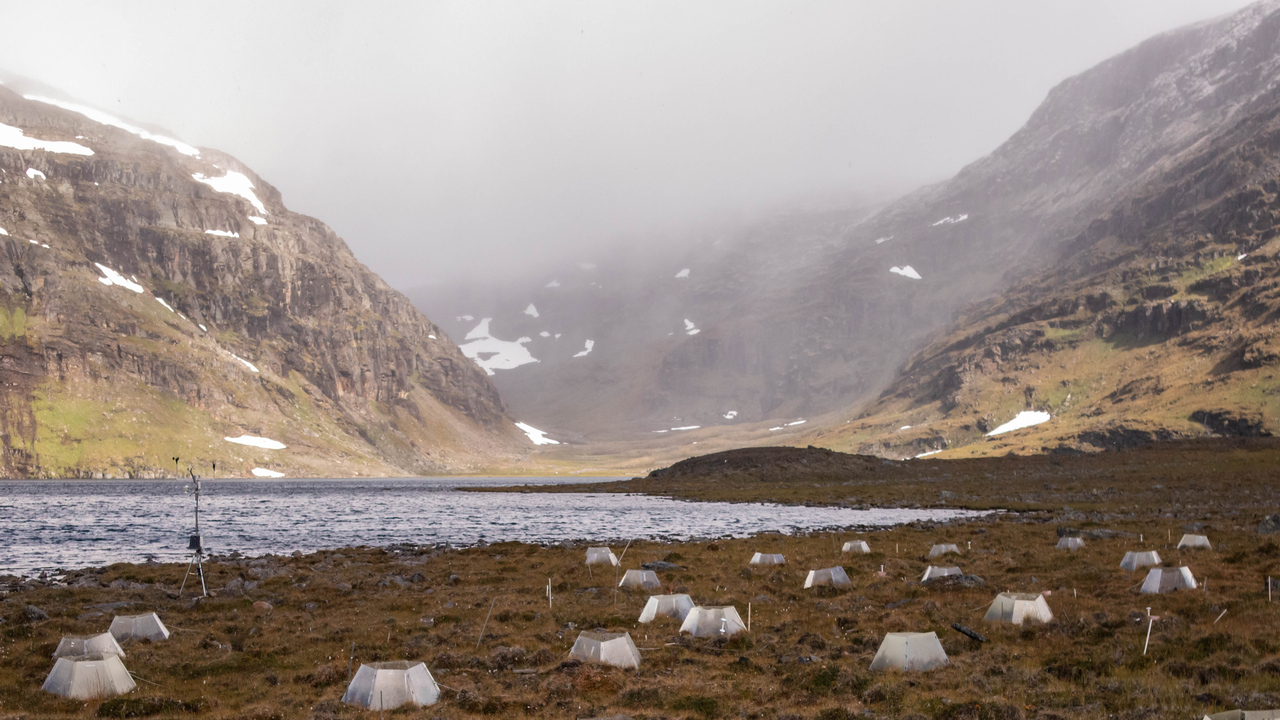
(157, 298)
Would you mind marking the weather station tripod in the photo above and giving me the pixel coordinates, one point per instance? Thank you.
(196, 545)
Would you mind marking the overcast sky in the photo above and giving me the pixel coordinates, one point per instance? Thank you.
(478, 137)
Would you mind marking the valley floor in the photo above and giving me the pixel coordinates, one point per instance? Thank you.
(808, 652)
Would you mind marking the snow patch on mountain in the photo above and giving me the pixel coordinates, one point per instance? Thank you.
(491, 353)
(905, 271)
(587, 350)
(12, 137)
(104, 119)
(222, 233)
(951, 220)
(258, 442)
(553, 284)
(731, 415)
(1025, 419)
(683, 273)
(531, 311)
(257, 220)
(115, 278)
(536, 436)
(246, 363)
(233, 183)
(883, 239)
(34, 173)
(690, 328)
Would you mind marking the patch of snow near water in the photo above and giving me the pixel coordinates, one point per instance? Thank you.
(536, 436)
(263, 472)
(531, 311)
(115, 278)
(13, 137)
(257, 220)
(906, 271)
(258, 442)
(233, 183)
(103, 118)
(951, 220)
(34, 173)
(690, 328)
(731, 415)
(222, 233)
(586, 351)
(683, 273)
(491, 353)
(1025, 419)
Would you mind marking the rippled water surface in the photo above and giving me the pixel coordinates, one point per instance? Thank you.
(66, 524)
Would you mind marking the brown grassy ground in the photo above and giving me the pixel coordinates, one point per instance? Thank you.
(808, 652)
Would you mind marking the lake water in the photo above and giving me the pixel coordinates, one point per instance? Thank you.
(48, 525)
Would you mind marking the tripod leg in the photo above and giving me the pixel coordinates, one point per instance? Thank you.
(200, 570)
(184, 578)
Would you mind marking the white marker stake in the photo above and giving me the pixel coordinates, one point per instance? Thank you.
(1151, 621)
(548, 593)
(748, 617)
(1215, 622)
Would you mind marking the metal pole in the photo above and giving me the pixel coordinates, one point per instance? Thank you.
(486, 622)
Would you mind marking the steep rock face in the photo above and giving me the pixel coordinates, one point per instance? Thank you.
(807, 315)
(347, 369)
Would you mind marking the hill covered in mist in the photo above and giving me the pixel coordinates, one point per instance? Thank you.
(811, 316)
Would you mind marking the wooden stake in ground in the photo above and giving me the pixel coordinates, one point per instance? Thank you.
(548, 593)
(486, 622)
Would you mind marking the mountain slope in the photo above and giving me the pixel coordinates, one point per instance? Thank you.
(157, 298)
(1156, 321)
(808, 315)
